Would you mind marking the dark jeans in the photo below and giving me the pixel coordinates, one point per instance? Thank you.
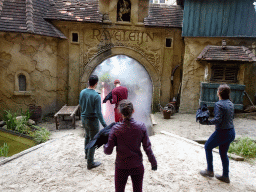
(221, 138)
(91, 126)
(121, 176)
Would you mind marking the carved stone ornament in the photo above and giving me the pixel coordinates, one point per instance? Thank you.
(151, 55)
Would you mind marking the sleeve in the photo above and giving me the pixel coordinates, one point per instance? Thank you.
(98, 111)
(218, 115)
(81, 102)
(147, 147)
(80, 99)
(108, 148)
(114, 97)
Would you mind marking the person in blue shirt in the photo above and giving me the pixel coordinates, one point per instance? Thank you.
(224, 133)
(90, 103)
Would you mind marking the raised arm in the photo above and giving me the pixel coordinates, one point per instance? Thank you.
(218, 115)
(114, 98)
(108, 148)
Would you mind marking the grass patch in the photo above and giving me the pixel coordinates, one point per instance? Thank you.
(4, 150)
(41, 135)
(244, 146)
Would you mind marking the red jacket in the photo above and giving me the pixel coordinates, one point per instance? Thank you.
(118, 94)
(128, 137)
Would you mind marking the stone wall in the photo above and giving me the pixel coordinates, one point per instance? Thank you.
(57, 70)
(37, 58)
(194, 71)
(98, 42)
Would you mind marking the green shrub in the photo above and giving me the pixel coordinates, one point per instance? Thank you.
(244, 146)
(22, 125)
(26, 115)
(10, 120)
(4, 150)
(41, 135)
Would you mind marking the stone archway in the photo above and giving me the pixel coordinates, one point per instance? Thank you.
(153, 73)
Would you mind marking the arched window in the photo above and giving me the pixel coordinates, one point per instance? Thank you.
(124, 10)
(22, 82)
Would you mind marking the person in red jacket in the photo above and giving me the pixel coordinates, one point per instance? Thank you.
(118, 94)
(127, 137)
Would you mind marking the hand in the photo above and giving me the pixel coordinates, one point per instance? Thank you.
(203, 122)
(154, 168)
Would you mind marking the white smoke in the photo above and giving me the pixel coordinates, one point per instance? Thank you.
(131, 75)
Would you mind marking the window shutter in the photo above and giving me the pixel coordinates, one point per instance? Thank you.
(231, 73)
(217, 73)
(224, 73)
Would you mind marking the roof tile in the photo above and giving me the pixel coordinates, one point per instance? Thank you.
(26, 16)
(162, 15)
(229, 53)
(83, 11)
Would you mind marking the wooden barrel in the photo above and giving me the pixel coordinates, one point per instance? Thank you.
(167, 114)
(36, 112)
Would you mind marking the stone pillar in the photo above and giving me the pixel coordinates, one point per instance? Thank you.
(73, 80)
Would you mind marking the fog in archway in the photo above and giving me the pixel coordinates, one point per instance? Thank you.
(131, 75)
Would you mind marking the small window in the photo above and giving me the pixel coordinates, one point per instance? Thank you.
(22, 83)
(168, 42)
(224, 73)
(75, 37)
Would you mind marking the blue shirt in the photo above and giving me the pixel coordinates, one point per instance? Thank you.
(223, 115)
(90, 103)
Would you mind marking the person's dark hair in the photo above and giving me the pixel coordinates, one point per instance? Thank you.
(126, 108)
(224, 91)
(93, 80)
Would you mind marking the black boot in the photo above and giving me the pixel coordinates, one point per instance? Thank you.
(222, 178)
(93, 165)
(207, 173)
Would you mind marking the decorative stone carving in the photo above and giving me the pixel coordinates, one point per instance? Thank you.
(124, 10)
(153, 56)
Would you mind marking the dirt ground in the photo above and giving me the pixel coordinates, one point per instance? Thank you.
(59, 165)
(186, 126)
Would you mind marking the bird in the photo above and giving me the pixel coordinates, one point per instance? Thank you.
(101, 137)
